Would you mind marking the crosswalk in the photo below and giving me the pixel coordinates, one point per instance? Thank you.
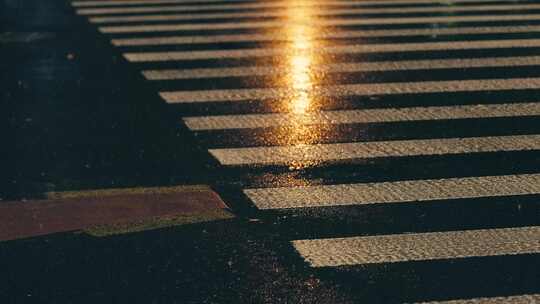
(328, 104)
(418, 247)
(394, 192)
(342, 34)
(533, 298)
(340, 49)
(349, 11)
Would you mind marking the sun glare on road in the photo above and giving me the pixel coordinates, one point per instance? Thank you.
(300, 62)
(301, 79)
(301, 84)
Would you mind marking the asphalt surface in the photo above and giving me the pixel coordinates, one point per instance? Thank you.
(69, 128)
(388, 150)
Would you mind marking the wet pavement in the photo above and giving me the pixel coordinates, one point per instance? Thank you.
(386, 150)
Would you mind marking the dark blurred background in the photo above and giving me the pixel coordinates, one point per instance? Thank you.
(78, 116)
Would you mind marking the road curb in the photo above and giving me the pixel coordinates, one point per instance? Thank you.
(72, 211)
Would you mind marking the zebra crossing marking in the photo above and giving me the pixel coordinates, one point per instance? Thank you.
(393, 192)
(257, 5)
(347, 67)
(518, 299)
(250, 121)
(326, 12)
(377, 149)
(367, 249)
(144, 2)
(450, 86)
(131, 29)
(340, 49)
(178, 40)
(419, 246)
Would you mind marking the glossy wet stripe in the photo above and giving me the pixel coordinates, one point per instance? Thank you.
(344, 67)
(263, 5)
(325, 12)
(397, 88)
(419, 246)
(393, 192)
(377, 149)
(519, 299)
(316, 23)
(173, 40)
(340, 49)
(221, 122)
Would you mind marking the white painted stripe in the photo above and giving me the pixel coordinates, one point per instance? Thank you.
(144, 2)
(338, 49)
(320, 22)
(233, 95)
(419, 246)
(319, 153)
(264, 5)
(281, 3)
(325, 12)
(280, 70)
(519, 299)
(394, 192)
(173, 40)
(248, 121)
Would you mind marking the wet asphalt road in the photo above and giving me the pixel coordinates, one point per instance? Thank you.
(390, 148)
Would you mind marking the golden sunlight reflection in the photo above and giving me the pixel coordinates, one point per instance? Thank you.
(300, 84)
(300, 81)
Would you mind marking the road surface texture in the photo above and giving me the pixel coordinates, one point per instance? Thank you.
(389, 148)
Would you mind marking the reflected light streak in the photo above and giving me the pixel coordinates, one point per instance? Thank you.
(301, 81)
(299, 77)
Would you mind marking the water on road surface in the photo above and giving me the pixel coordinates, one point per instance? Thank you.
(394, 140)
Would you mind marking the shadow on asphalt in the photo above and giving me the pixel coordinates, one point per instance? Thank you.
(231, 261)
(225, 261)
(78, 116)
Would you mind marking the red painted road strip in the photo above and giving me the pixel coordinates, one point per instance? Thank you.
(40, 217)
